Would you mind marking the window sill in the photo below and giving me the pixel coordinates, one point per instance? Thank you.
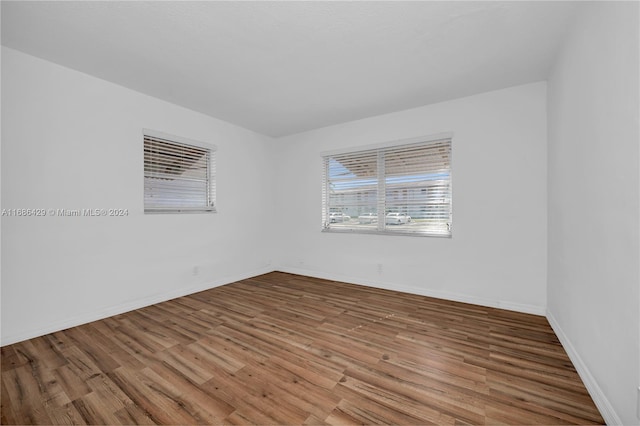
(392, 233)
(178, 211)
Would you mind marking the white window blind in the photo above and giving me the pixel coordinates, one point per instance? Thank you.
(178, 177)
(401, 189)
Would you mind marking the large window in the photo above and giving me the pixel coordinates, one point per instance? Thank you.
(179, 175)
(399, 189)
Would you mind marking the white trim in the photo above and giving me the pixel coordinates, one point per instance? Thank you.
(180, 139)
(599, 398)
(389, 144)
(141, 303)
(456, 297)
(127, 307)
(602, 403)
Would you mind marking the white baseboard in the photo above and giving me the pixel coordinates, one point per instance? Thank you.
(510, 306)
(127, 307)
(606, 409)
(141, 303)
(598, 396)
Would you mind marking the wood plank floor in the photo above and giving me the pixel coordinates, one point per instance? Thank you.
(288, 349)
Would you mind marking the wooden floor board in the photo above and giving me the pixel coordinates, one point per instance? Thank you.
(289, 349)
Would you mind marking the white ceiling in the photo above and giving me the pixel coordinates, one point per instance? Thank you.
(280, 68)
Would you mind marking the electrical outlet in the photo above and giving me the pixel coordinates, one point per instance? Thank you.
(196, 271)
(380, 268)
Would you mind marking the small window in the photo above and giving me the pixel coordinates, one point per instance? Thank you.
(399, 189)
(179, 176)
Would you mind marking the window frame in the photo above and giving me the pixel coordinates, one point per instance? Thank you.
(211, 150)
(382, 228)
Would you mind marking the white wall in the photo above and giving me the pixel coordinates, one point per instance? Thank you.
(593, 204)
(497, 255)
(73, 141)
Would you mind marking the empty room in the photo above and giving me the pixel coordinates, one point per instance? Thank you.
(293, 212)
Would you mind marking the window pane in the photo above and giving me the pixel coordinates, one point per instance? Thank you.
(177, 176)
(417, 188)
(352, 190)
(400, 189)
